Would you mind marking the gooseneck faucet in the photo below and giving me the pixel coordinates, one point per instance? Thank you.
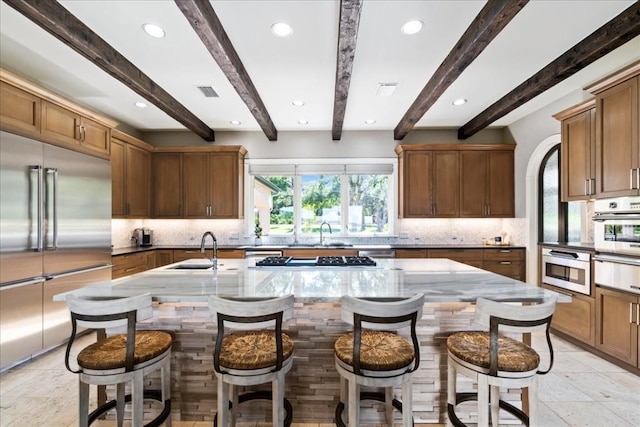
(321, 237)
(214, 260)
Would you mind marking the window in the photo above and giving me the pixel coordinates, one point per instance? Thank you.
(354, 199)
(557, 221)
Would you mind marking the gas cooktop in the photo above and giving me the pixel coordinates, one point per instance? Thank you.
(320, 261)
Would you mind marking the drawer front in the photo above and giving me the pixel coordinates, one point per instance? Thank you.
(504, 254)
(126, 265)
(231, 253)
(512, 269)
(411, 253)
(185, 254)
(461, 255)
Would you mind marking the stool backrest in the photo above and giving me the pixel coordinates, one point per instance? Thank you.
(382, 314)
(94, 309)
(383, 308)
(517, 318)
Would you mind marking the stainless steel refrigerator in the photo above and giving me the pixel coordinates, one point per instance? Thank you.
(55, 236)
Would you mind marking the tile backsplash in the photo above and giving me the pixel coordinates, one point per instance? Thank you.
(409, 231)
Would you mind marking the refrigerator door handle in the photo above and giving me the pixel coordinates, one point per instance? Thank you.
(38, 206)
(54, 207)
(74, 272)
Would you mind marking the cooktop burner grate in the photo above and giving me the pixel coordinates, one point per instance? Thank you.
(321, 261)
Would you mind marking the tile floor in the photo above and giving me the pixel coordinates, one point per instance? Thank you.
(581, 390)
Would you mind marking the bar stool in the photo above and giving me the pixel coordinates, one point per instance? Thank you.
(373, 356)
(121, 358)
(494, 360)
(252, 356)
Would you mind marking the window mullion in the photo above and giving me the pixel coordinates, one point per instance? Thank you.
(344, 204)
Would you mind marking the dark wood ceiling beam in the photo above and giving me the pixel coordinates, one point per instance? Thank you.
(607, 38)
(493, 18)
(59, 22)
(350, 11)
(206, 24)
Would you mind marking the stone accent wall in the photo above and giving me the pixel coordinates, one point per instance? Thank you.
(312, 385)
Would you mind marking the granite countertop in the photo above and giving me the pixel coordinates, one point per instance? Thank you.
(441, 280)
(363, 247)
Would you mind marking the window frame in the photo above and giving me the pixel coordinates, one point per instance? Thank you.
(563, 207)
(287, 165)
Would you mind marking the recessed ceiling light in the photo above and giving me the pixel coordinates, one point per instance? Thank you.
(298, 102)
(281, 29)
(235, 122)
(140, 104)
(303, 122)
(460, 101)
(412, 27)
(370, 121)
(153, 30)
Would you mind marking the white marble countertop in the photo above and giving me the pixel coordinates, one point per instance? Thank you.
(441, 280)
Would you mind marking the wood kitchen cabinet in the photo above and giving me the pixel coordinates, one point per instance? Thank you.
(164, 257)
(472, 257)
(130, 177)
(617, 324)
(429, 183)
(617, 133)
(487, 183)
(20, 110)
(578, 151)
(411, 253)
(576, 318)
(128, 264)
(74, 130)
(167, 185)
(30, 110)
(212, 184)
(506, 262)
(210, 190)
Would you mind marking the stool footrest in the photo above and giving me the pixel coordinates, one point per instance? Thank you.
(466, 397)
(261, 395)
(366, 395)
(148, 394)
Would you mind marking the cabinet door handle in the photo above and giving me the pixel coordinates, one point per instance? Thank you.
(593, 189)
(586, 187)
(83, 133)
(505, 262)
(638, 177)
(631, 179)
(630, 312)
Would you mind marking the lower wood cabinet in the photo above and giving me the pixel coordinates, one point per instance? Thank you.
(617, 324)
(472, 257)
(577, 318)
(506, 262)
(128, 264)
(411, 253)
(164, 257)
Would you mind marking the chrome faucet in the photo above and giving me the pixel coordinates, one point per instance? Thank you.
(321, 237)
(214, 260)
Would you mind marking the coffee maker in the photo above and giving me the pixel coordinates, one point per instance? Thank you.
(143, 236)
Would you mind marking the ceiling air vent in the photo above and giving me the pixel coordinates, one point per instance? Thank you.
(208, 91)
(386, 89)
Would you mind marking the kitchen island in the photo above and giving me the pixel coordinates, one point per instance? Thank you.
(312, 386)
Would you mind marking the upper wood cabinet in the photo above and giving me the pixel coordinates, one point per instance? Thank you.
(456, 180)
(131, 176)
(30, 110)
(210, 185)
(486, 183)
(578, 151)
(167, 185)
(20, 111)
(617, 133)
(429, 181)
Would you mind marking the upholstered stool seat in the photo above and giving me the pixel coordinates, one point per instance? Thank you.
(373, 356)
(251, 349)
(473, 347)
(494, 360)
(120, 358)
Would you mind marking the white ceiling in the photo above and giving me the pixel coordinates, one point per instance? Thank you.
(303, 65)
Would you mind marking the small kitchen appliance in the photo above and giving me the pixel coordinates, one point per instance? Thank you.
(143, 236)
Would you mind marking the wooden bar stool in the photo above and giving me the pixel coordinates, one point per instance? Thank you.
(494, 360)
(259, 353)
(121, 358)
(373, 356)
